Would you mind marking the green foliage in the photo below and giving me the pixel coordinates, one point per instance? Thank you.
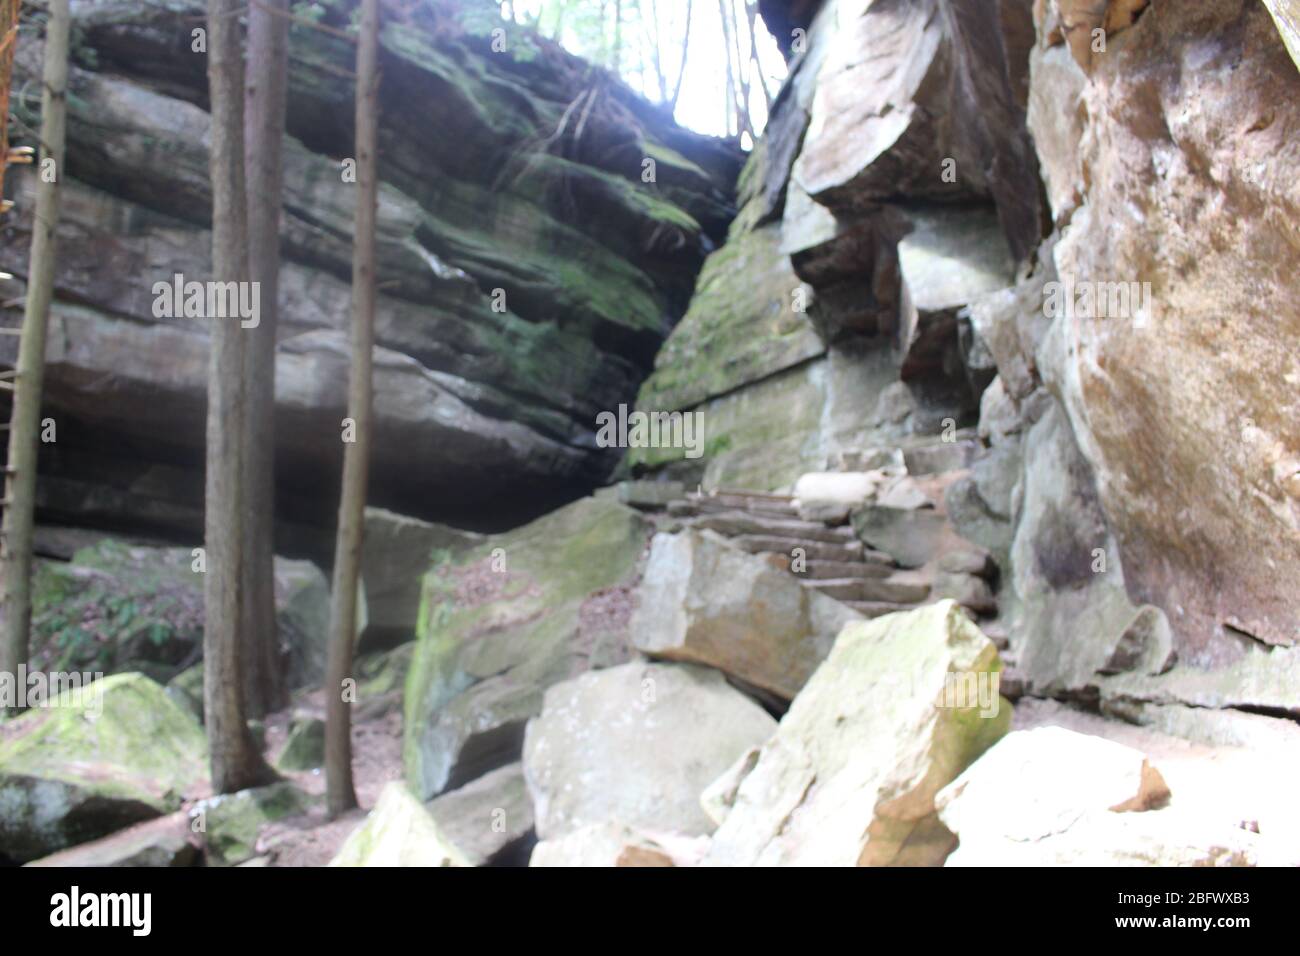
(113, 606)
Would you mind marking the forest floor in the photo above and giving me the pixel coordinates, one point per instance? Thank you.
(311, 839)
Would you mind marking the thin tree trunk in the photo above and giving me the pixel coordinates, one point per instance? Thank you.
(657, 60)
(339, 792)
(730, 98)
(618, 35)
(686, 46)
(741, 87)
(235, 760)
(751, 14)
(25, 423)
(264, 114)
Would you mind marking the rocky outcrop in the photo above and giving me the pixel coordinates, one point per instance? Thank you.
(1137, 478)
(528, 273)
(902, 705)
(95, 759)
(506, 619)
(636, 744)
(887, 194)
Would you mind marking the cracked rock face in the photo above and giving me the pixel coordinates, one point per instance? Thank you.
(527, 274)
(1188, 159)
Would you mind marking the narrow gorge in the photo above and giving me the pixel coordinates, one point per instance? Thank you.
(971, 536)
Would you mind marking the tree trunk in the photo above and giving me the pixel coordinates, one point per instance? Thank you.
(264, 113)
(618, 35)
(25, 421)
(729, 104)
(236, 762)
(686, 46)
(339, 792)
(8, 44)
(751, 14)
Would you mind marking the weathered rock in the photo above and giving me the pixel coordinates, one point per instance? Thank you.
(166, 841)
(831, 496)
(230, 822)
(396, 552)
(399, 831)
(720, 796)
(616, 844)
(505, 620)
(304, 748)
(636, 743)
(703, 601)
(490, 820)
(934, 87)
(911, 537)
(851, 774)
(1053, 797)
(1165, 444)
(593, 264)
(99, 758)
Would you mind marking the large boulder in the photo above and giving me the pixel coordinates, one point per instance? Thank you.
(399, 832)
(166, 841)
(1054, 797)
(902, 705)
(505, 619)
(94, 760)
(490, 819)
(232, 822)
(704, 601)
(396, 551)
(636, 744)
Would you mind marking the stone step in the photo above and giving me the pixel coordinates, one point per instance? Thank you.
(878, 608)
(733, 523)
(826, 570)
(812, 550)
(887, 590)
(732, 501)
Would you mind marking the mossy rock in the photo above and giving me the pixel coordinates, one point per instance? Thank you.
(400, 831)
(115, 753)
(231, 822)
(742, 326)
(511, 610)
(304, 749)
